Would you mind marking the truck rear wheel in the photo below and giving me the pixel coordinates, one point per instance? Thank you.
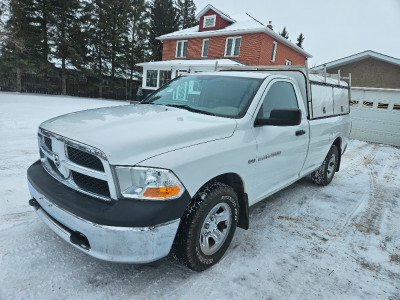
(207, 227)
(325, 173)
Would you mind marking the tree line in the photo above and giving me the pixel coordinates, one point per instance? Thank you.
(300, 38)
(55, 41)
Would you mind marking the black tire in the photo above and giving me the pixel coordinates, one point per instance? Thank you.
(187, 247)
(324, 175)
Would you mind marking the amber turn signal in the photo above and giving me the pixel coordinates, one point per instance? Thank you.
(161, 192)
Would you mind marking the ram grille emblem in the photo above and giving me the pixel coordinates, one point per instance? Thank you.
(56, 160)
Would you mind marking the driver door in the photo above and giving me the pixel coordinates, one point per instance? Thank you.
(281, 150)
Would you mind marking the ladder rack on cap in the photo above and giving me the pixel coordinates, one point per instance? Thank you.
(302, 68)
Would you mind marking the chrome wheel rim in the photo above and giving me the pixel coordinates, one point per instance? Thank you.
(331, 166)
(215, 228)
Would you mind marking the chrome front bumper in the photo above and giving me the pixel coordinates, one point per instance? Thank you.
(117, 244)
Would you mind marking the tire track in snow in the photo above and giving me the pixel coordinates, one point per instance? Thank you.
(363, 200)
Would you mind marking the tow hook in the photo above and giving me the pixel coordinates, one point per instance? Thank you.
(34, 203)
(80, 240)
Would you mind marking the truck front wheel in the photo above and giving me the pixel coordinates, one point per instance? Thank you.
(325, 173)
(207, 227)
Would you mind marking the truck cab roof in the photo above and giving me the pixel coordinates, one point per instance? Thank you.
(248, 74)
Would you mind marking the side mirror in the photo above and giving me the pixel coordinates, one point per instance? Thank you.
(281, 117)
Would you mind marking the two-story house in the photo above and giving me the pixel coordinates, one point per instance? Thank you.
(220, 40)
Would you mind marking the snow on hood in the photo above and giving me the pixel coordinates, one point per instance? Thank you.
(129, 134)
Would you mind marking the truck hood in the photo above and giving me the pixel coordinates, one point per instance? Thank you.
(129, 134)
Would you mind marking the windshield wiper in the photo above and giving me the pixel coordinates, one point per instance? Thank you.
(192, 109)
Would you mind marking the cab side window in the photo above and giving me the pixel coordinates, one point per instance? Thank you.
(280, 95)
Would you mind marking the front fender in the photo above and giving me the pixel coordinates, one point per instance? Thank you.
(197, 164)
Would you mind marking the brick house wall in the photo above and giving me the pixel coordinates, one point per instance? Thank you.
(219, 22)
(255, 49)
(371, 72)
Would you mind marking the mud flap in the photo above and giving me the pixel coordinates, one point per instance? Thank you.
(243, 221)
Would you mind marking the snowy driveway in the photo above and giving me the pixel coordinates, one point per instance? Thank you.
(305, 242)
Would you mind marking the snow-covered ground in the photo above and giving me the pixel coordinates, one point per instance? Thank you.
(305, 242)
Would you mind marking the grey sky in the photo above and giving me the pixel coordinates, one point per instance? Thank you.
(333, 28)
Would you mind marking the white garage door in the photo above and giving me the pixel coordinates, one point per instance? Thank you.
(375, 115)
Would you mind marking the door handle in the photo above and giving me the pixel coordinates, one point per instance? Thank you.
(300, 132)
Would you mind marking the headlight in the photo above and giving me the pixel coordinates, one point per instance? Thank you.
(148, 183)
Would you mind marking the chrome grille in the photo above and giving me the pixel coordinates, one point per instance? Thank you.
(84, 159)
(79, 166)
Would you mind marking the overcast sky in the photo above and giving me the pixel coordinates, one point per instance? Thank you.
(333, 28)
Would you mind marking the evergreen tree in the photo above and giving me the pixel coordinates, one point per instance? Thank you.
(64, 34)
(163, 20)
(284, 33)
(117, 30)
(136, 44)
(3, 7)
(108, 30)
(300, 40)
(186, 12)
(94, 11)
(16, 53)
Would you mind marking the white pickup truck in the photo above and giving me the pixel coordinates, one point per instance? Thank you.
(178, 172)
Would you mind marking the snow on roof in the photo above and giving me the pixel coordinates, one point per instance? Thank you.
(244, 24)
(191, 63)
(221, 13)
(358, 57)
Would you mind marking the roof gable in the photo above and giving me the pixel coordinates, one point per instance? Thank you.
(222, 14)
(212, 17)
(357, 57)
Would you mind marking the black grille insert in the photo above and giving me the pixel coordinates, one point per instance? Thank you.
(90, 184)
(47, 142)
(84, 159)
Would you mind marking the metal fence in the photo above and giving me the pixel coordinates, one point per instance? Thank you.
(76, 85)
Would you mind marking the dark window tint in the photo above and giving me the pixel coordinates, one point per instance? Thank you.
(280, 95)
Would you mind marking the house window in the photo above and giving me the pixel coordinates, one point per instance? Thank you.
(204, 50)
(288, 62)
(354, 103)
(368, 104)
(181, 48)
(232, 46)
(273, 55)
(209, 21)
(151, 78)
(165, 76)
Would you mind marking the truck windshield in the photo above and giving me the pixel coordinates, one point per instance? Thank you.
(223, 96)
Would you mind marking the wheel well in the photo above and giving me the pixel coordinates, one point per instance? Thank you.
(338, 144)
(236, 182)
